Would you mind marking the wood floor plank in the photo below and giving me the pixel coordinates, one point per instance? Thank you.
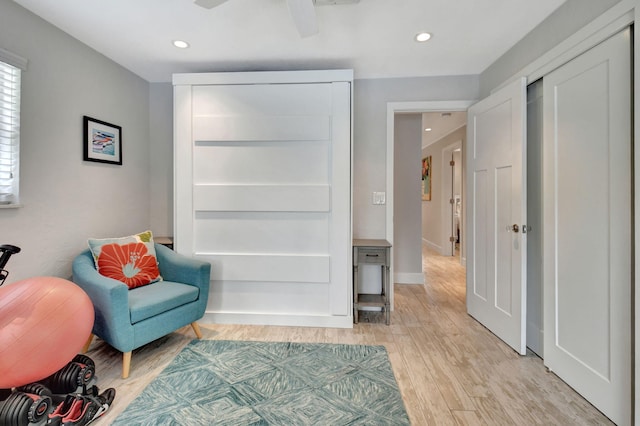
(433, 403)
(448, 384)
(467, 418)
(491, 412)
(403, 372)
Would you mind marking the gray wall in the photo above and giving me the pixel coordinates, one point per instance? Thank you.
(407, 198)
(370, 136)
(65, 199)
(566, 20)
(161, 156)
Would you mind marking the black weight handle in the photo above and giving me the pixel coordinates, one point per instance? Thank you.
(7, 250)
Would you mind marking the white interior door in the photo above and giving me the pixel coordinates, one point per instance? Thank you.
(588, 226)
(496, 255)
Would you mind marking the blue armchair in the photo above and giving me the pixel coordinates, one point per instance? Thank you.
(128, 319)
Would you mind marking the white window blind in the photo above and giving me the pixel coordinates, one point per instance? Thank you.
(9, 133)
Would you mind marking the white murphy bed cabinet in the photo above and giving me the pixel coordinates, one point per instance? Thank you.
(262, 175)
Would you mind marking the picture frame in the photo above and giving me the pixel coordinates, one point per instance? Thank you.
(426, 178)
(101, 141)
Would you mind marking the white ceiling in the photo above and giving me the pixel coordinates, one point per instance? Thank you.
(374, 37)
(441, 124)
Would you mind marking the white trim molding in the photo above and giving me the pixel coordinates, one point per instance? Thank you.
(408, 278)
(331, 321)
(392, 109)
(432, 245)
(13, 59)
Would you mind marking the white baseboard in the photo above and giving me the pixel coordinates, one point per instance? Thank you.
(408, 278)
(432, 245)
(327, 321)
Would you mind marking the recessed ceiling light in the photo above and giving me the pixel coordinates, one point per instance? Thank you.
(180, 44)
(428, 129)
(422, 37)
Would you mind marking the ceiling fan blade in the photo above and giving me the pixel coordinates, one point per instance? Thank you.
(304, 16)
(209, 4)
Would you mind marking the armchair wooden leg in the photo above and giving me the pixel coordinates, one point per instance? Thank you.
(126, 364)
(196, 329)
(85, 348)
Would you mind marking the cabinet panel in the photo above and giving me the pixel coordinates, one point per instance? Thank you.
(262, 99)
(263, 192)
(261, 128)
(269, 268)
(264, 198)
(264, 163)
(261, 232)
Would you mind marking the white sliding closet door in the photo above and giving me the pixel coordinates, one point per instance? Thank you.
(588, 226)
(263, 190)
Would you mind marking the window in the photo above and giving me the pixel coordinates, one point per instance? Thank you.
(10, 127)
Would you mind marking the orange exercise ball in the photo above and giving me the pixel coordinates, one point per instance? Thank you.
(44, 323)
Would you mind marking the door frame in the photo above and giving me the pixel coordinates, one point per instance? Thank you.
(417, 107)
(446, 212)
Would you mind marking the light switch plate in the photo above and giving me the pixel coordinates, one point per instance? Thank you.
(379, 197)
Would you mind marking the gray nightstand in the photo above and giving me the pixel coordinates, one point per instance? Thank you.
(372, 252)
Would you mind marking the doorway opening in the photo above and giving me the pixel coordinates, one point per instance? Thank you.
(437, 108)
(443, 140)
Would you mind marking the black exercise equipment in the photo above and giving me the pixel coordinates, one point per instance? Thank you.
(36, 404)
(6, 251)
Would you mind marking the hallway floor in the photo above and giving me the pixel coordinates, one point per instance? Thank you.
(462, 373)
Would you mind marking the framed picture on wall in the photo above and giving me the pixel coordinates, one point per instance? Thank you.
(426, 179)
(101, 141)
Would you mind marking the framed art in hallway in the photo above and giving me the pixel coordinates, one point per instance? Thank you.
(426, 178)
(102, 141)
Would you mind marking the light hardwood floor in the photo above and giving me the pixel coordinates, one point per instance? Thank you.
(450, 369)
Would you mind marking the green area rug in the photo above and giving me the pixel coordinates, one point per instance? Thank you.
(219, 382)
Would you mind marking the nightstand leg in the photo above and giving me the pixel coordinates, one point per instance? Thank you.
(355, 294)
(387, 304)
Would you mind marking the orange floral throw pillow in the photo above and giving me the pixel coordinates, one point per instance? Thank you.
(131, 260)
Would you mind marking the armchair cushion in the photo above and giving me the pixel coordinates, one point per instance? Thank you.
(149, 301)
(131, 260)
